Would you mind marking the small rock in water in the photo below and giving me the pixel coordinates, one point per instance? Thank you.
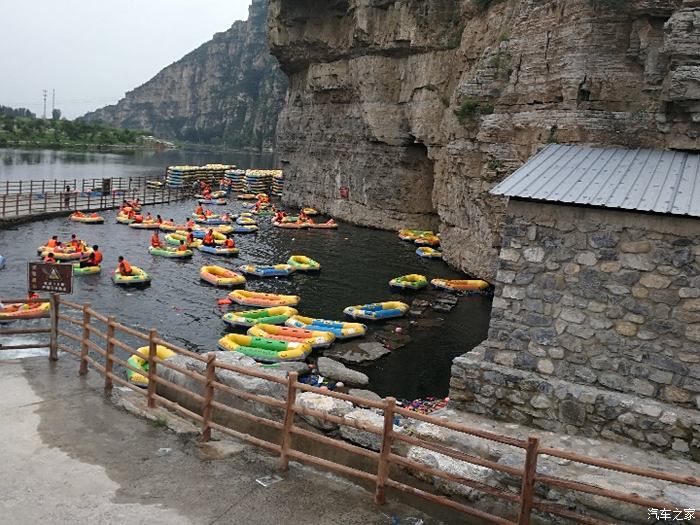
(441, 307)
(392, 340)
(357, 353)
(420, 303)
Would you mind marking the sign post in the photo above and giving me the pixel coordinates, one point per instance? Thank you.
(55, 279)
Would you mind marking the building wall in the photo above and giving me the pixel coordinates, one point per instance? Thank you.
(595, 327)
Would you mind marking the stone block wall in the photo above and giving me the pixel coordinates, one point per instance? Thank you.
(595, 327)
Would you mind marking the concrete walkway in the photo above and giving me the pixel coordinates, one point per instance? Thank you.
(69, 455)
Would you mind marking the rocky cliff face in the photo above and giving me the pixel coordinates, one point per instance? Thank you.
(229, 91)
(419, 108)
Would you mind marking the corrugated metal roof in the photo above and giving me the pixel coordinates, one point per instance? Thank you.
(630, 179)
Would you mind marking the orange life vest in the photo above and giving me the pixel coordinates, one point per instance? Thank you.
(230, 243)
(48, 259)
(95, 258)
(182, 248)
(124, 268)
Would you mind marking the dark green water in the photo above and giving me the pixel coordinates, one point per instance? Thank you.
(357, 264)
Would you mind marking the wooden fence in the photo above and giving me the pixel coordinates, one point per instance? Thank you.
(21, 205)
(519, 506)
(11, 187)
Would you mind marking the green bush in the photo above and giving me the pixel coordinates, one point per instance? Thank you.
(471, 109)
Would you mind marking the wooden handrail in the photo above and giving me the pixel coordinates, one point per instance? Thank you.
(386, 456)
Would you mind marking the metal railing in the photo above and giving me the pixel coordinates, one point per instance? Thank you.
(206, 405)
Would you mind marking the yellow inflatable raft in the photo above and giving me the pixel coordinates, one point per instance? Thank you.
(460, 285)
(24, 311)
(93, 218)
(411, 281)
(377, 311)
(141, 362)
(219, 276)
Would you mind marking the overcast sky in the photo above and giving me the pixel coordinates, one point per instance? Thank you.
(93, 51)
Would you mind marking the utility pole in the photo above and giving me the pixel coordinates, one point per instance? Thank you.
(45, 94)
(53, 101)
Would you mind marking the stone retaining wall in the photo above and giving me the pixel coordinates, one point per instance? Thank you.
(604, 303)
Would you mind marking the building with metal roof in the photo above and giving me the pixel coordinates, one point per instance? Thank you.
(646, 180)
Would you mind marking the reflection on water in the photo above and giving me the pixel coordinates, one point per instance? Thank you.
(357, 264)
(16, 164)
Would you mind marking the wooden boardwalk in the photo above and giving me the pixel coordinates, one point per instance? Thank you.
(31, 202)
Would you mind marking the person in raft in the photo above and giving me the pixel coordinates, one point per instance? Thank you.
(50, 258)
(53, 242)
(229, 243)
(148, 217)
(182, 247)
(155, 240)
(190, 223)
(94, 258)
(190, 236)
(75, 243)
(124, 268)
(209, 239)
(303, 217)
(159, 219)
(199, 211)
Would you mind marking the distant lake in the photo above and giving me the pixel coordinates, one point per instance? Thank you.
(38, 164)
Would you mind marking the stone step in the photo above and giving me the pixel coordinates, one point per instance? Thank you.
(540, 401)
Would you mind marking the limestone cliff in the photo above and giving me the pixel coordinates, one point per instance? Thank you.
(419, 108)
(229, 91)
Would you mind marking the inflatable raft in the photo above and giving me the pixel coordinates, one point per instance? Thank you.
(313, 338)
(290, 225)
(138, 276)
(310, 211)
(66, 256)
(141, 362)
(278, 270)
(171, 227)
(170, 252)
(340, 329)
(245, 220)
(219, 238)
(246, 197)
(219, 276)
(302, 263)
(269, 316)
(86, 270)
(428, 240)
(263, 349)
(411, 281)
(146, 225)
(93, 218)
(124, 219)
(428, 253)
(218, 250)
(247, 228)
(330, 224)
(412, 235)
(220, 202)
(248, 298)
(175, 238)
(377, 311)
(24, 311)
(460, 285)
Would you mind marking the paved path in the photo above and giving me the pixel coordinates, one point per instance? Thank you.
(69, 455)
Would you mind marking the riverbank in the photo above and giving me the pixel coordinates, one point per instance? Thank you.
(76, 458)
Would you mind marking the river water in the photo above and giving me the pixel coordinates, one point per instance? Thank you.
(357, 264)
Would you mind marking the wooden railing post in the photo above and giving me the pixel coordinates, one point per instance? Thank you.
(288, 420)
(152, 353)
(385, 450)
(17, 204)
(528, 485)
(86, 335)
(109, 350)
(208, 398)
(54, 300)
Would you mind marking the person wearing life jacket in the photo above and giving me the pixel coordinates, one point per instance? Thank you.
(50, 258)
(199, 211)
(53, 241)
(94, 258)
(155, 240)
(131, 214)
(78, 214)
(209, 238)
(229, 243)
(279, 216)
(190, 237)
(303, 217)
(190, 223)
(138, 218)
(124, 268)
(148, 217)
(159, 219)
(75, 243)
(182, 247)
